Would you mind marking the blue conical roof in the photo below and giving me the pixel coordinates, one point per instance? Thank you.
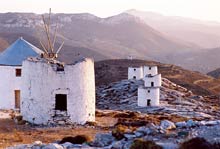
(17, 52)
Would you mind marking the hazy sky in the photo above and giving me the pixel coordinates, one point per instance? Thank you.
(200, 9)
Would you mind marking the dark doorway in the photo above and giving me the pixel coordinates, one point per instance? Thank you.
(61, 102)
(152, 84)
(134, 77)
(148, 102)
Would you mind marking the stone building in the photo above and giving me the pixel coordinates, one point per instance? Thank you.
(11, 72)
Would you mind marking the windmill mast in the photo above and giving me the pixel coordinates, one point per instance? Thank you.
(49, 50)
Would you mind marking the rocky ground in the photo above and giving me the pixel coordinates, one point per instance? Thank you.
(181, 115)
(174, 99)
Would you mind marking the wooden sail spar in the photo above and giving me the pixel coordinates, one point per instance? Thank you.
(49, 49)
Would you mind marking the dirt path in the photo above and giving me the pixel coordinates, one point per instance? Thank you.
(12, 134)
(201, 81)
(214, 87)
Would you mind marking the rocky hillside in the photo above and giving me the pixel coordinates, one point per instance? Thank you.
(115, 70)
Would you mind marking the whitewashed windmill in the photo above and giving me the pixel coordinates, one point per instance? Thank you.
(54, 93)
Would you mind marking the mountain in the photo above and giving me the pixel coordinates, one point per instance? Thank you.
(204, 34)
(203, 61)
(119, 36)
(108, 71)
(215, 73)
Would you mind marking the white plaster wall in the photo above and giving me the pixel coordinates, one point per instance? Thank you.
(9, 82)
(135, 71)
(41, 82)
(144, 95)
(156, 79)
(150, 70)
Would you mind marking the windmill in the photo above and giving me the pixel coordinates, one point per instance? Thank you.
(49, 48)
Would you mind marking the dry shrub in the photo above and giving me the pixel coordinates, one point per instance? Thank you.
(79, 139)
(119, 131)
(131, 122)
(142, 144)
(216, 145)
(196, 143)
(128, 114)
(90, 123)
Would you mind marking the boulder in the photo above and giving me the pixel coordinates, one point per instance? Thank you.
(190, 123)
(129, 136)
(22, 146)
(167, 125)
(181, 124)
(118, 144)
(38, 143)
(102, 140)
(209, 123)
(67, 145)
(53, 146)
(139, 134)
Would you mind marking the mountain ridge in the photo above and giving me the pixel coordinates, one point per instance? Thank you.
(115, 37)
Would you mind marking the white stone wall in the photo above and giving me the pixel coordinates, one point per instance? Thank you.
(145, 94)
(155, 79)
(8, 84)
(150, 70)
(135, 73)
(41, 83)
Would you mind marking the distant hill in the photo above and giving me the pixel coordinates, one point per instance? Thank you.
(204, 34)
(115, 70)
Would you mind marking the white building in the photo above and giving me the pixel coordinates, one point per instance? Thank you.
(148, 96)
(56, 93)
(149, 93)
(139, 73)
(135, 73)
(11, 72)
(152, 81)
(150, 70)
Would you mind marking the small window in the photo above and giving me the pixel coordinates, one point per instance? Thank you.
(61, 102)
(134, 69)
(148, 91)
(17, 72)
(149, 68)
(60, 67)
(152, 84)
(134, 77)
